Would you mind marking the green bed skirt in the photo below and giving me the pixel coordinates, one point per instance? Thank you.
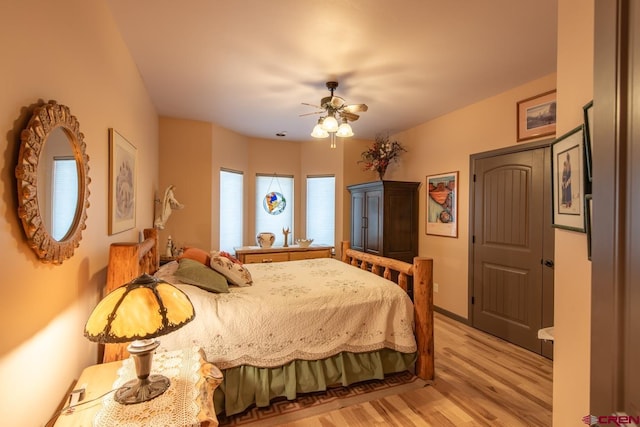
(244, 386)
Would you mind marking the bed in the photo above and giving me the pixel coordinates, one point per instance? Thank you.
(369, 341)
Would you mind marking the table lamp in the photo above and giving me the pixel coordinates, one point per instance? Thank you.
(138, 312)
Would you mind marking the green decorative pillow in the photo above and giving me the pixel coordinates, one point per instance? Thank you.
(197, 274)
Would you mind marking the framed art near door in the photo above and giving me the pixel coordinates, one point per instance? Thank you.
(568, 184)
(537, 116)
(442, 204)
(122, 183)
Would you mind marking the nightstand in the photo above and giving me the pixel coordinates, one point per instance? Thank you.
(187, 401)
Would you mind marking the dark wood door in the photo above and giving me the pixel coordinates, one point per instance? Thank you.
(615, 280)
(509, 294)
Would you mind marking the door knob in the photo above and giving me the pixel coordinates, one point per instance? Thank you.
(548, 263)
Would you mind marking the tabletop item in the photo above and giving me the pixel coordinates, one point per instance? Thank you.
(265, 239)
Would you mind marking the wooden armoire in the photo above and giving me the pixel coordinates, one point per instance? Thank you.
(384, 218)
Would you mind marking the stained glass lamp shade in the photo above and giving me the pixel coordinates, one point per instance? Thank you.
(138, 312)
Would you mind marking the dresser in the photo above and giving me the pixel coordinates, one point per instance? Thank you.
(384, 218)
(254, 254)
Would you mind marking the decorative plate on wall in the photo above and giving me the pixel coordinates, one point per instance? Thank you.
(274, 203)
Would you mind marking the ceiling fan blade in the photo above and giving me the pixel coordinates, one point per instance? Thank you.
(310, 114)
(336, 102)
(356, 108)
(312, 105)
(349, 116)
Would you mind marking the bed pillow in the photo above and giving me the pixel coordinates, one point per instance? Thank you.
(228, 256)
(234, 271)
(196, 254)
(197, 274)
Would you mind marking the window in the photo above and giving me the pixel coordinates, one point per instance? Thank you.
(321, 209)
(271, 213)
(231, 216)
(64, 200)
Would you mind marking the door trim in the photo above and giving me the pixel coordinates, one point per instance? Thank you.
(472, 158)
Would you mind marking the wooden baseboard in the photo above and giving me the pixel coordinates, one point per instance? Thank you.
(451, 315)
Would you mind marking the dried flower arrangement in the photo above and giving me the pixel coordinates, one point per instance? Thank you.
(378, 157)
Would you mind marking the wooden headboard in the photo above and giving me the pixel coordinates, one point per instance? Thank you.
(129, 260)
(126, 262)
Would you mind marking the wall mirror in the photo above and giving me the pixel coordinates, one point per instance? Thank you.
(53, 182)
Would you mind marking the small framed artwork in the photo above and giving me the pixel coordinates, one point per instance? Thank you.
(122, 183)
(567, 167)
(588, 137)
(442, 204)
(588, 210)
(537, 116)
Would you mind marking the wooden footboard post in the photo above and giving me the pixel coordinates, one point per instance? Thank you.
(423, 312)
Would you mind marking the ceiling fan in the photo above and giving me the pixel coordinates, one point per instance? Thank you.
(338, 115)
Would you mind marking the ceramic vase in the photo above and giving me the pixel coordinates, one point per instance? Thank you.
(265, 239)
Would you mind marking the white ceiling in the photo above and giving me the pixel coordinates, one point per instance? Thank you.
(247, 65)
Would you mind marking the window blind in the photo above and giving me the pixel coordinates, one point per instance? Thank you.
(231, 210)
(265, 184)
(321, 209)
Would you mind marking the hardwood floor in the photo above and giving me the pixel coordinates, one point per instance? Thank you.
(480, 381)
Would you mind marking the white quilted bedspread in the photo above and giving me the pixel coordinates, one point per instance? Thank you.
(309, 310)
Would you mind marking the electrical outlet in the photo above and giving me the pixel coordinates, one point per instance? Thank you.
(435, 287)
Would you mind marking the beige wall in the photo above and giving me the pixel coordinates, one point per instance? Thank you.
(444, 145)
(185, 162)
(571, 367)
(69, 51)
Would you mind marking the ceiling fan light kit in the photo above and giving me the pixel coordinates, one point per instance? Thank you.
(338, 115)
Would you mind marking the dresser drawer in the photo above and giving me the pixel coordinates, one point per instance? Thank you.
(322, 253)
(268, 257)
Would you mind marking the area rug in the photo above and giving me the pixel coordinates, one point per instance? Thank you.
(311, 404)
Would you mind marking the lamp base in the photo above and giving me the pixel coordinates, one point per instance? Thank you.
(146, 387)
(138, 391)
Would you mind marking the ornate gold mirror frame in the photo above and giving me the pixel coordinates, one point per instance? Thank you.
(43, 122)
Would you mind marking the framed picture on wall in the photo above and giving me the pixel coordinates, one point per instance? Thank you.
(568, 188)
(588, 209)
(588, 137)
(442, 204)
(122, 183)
(537, 116)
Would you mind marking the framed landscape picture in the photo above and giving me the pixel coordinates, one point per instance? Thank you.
(442, 204)
(568, 173)
(122, 183)
(537, 116)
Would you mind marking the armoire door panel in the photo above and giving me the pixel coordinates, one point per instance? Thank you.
(357, 221)
(374, 222)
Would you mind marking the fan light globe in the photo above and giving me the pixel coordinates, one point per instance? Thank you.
(344, 130)
(330, 124)
(318, 132)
